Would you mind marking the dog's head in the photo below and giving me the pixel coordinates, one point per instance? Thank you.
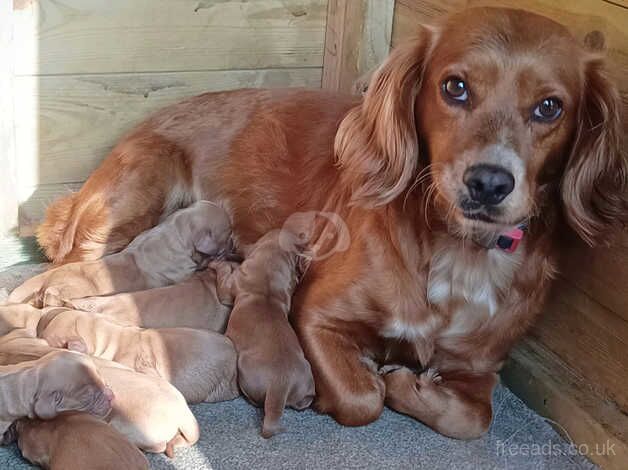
(506, 111)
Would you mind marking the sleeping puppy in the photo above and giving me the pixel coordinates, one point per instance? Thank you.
(76, 440)
(272, 369)
(55, 382)
(200, 364)
(147, 410)
(193, 303)
(18, 316)
(166, 254)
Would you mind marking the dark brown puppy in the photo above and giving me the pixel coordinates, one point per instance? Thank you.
(77, 440)
(272, 369)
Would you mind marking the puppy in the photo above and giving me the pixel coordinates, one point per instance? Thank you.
(193, 303)
(56, 382)
(147, 410)
(18, 316)
(271, 366)
(166, 254)
(200, 364)
(76, 440)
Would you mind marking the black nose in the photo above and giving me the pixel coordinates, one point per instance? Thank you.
(488, 184)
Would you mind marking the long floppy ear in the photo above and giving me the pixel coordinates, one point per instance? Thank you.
(595, 182)
(377, 144)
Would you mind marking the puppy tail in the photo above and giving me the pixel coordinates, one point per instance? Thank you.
(273, 410)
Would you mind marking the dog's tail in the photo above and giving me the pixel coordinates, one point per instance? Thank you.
(274, 405)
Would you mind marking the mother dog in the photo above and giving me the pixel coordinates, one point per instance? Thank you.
(473, 143)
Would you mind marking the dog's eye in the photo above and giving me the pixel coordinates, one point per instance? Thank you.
(548, 110)
(455, 89)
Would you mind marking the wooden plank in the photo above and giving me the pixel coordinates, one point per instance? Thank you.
(111, 36)
(600, 272)
(589, 337)
(8, 194)
(585, 18)
(67, 124)
(555, 391)
(356, 41)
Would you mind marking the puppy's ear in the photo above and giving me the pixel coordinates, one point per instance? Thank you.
(46, 405)
(595, 182)
(377, 143)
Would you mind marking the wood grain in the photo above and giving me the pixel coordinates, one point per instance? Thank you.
(67, 124)
(112, 36)
(356, 41)
(590, 338)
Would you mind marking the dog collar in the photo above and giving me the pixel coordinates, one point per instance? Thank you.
(507, 241)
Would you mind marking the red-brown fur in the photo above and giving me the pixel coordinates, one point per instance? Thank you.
(392, 178)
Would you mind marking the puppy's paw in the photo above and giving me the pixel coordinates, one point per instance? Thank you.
(77, 344)
(52, 297)
(429, 377)
(388, 368)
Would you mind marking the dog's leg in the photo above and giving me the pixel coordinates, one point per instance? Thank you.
(456, 404)
(347, 384)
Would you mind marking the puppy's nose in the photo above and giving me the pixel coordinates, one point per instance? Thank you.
(488, 184)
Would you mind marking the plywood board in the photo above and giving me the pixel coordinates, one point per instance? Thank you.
(589, 337)
(107, 36)
(357, 40)
(65, 125)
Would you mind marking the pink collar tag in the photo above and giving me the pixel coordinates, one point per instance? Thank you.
(509, 241)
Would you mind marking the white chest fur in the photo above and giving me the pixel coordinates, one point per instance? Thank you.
(464, 288)
(473, 280)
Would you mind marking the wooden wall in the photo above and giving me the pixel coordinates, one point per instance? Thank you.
(574, 366)
(85, 71)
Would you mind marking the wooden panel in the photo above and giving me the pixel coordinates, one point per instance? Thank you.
(8, 196)
(557, 392)
(600, 272)
(585, 18)
(589, 337)
(357, 40)
(65, 125)
(78, 36)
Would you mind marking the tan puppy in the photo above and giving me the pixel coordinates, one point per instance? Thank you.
(77, 440)
(200, 364)
(271, 366)
(147, 410)
(166, 254)
(193, 303)
(18, 316)
(56, 382)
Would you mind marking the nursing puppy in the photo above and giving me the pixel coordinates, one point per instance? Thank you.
(193, 303)
(76, 440)
(56, 382)
(272, 369)
(200, 364)
(166, 254)
(147, 410)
